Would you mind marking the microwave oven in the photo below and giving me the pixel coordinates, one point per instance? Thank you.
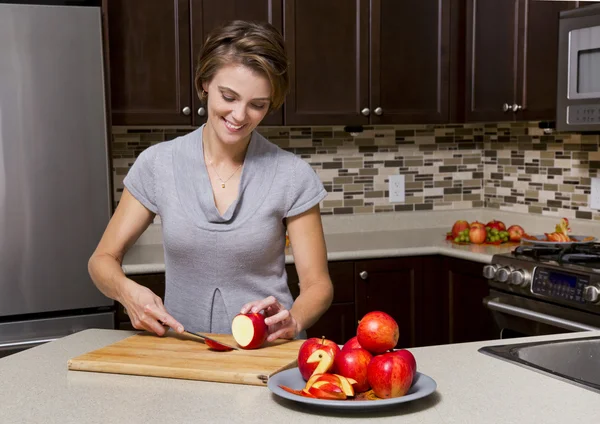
(578, 86)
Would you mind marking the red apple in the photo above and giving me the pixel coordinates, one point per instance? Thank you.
(389, 375)
(499, 225)
(515, 232)
(352, 344)
(477, 224)
(306, 350)
(477, 234)
(410, 358)
(458, 227)
(353, 363)
(249, 330)
(377, 332)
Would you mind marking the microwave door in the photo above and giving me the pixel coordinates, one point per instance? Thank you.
(584, 63)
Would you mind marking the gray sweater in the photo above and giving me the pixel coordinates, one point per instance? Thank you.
(216, 263)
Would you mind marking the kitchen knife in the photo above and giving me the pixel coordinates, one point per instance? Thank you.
(202, 336)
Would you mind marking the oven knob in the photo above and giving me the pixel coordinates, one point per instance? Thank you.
(489, 271)
(503, 274)
(591, 294)
(520, 277)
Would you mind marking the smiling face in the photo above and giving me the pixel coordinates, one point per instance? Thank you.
(238, 100)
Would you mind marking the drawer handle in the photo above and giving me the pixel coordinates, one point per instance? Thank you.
(364, 275)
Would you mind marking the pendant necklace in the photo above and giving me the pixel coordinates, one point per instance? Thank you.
(219, 177)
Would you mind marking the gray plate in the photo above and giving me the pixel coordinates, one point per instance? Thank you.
(579, 240)
(422, 386)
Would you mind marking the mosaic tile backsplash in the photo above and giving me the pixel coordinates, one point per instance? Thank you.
(511, 166)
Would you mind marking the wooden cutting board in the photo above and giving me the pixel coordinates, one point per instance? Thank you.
(186, 357)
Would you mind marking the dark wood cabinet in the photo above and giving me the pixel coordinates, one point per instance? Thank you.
(148, 50)
(153, 48)
(467, 318)
(346, 71)
(511, 53)
(206, 15)
(327, 43)
(392, 286)
(410, 61)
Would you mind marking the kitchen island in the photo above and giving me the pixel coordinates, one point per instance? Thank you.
(472, 388)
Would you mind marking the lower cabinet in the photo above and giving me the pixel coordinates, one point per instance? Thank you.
(435, 299)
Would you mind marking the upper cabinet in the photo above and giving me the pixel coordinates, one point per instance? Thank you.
(150, 68)
(351, 62)
(376, 62)
(153, 51)
(511, 49)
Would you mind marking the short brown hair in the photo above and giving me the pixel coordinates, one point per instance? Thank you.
(259, 46)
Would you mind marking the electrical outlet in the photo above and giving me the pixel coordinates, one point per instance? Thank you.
(595, 194)
(396, 188)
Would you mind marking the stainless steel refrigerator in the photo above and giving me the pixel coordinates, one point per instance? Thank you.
(54, 171)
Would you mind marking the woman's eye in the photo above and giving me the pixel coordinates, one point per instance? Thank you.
(228, 99)
(258, 107)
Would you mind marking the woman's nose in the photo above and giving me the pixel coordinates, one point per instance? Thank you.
(239, 113)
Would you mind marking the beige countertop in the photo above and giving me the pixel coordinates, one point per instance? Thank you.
(471, 388)
(383, 235)
(149, 258)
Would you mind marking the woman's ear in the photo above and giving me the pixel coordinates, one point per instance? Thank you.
(205, 87)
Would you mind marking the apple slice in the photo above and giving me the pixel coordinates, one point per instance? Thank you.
(346, 384)
(328, 387)
(324, 394)
(324, 359)
(312, 380)
(217, 346)
(249, 330)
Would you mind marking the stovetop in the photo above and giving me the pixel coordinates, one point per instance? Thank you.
(576, 256)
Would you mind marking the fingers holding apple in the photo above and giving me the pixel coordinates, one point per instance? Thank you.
(249, 330)
(280, 321)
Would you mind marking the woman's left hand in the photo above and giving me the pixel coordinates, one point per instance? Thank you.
(280, 321)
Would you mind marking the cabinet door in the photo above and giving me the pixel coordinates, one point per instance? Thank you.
(327, 42)
(149, 59)
(468, 319)
(492, 28)
(410, 61)
(391, 286)
(206, 15)
(538, 59)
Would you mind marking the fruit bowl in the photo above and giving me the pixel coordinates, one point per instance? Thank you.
(422, 386)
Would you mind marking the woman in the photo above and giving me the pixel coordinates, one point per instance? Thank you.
(225, 196)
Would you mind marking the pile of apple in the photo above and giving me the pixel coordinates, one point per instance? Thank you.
(366, 362)
(494, 232)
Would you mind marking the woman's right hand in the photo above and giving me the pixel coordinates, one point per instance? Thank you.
(147, 312)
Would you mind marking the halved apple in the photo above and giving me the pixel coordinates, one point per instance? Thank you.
(324, 359)
(249, 330)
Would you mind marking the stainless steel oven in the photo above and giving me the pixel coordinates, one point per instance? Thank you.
(578, 85)
(539, 290)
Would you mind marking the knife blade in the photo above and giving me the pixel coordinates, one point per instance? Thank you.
(202, 336)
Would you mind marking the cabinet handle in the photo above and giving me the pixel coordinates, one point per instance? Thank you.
(186, 110)
(201, 111)
(364, 275)
(378, 111)
(365, 111)
(516, 107)
(506, 107)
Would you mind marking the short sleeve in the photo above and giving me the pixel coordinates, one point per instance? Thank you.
(141, 179)
(306, 189)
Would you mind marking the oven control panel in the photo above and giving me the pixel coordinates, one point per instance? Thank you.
(558, 284)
